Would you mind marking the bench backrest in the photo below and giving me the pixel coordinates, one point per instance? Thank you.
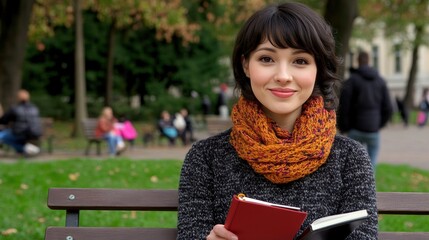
(47, 126)
(73, 200)
(216, 124)
(89, 126)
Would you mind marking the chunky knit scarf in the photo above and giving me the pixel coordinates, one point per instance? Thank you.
(276, 153)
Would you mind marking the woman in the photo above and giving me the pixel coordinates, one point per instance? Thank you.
(106, 129)
(283, 146)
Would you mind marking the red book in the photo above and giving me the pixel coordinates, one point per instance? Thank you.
(252, 219)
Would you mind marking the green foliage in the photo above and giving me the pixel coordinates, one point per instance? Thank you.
(56, 107)
(143, 66)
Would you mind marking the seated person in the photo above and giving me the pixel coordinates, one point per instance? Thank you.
(126, 130)
(183, 120)
(166, 127)
(22, 125)
(106, 129)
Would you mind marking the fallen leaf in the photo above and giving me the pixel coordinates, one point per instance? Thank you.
(74, 176)
(154, 179)
(133, 215)
(9, 231)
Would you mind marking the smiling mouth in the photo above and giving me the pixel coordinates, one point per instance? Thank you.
(283, 93)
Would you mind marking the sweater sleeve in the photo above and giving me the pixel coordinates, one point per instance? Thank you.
(195, 212)
(359, 191)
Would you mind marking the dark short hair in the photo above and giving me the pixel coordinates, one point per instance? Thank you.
(291, 25)
(363, 58)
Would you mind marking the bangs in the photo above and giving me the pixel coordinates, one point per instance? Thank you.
(288, 32)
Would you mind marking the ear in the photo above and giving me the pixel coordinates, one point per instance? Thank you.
(245, 65)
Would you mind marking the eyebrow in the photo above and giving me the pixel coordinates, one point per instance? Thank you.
(273, 49)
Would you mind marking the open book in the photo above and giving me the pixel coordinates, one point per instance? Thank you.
(334, 227)
(252, 219)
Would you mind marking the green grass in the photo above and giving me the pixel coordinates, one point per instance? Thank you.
(24, 186)
(402, 178)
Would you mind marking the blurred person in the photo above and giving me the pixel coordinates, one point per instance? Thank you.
(166, 127)
(365, 106)
(422, 115)
(106, 129)
(180, 124)
(403, 111)
(206, 107)
(222, 106)
(187, 127)
(23, 125)
(127, 130)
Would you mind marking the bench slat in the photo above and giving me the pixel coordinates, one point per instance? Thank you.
(112, 199)
(403, 203)
(94, 233)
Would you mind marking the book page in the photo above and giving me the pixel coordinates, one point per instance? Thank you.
(267, 203)
(338, 218)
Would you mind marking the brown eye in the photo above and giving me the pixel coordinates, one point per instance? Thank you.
(301, 61)
(265, 59)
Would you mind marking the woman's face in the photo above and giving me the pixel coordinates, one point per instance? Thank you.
(281, 79)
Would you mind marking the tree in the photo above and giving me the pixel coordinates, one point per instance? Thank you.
(80, 83)
(14, 21)
(167, 17)
(397, 17)
(341, 15)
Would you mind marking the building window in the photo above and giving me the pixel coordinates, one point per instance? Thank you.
(375, 57)
(398, 65)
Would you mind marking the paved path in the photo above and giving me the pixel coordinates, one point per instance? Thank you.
(399, 145)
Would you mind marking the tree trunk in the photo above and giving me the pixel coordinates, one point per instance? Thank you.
(340, 14)
(110, 62)
(409, 94)
(80, 84)
(14, 21)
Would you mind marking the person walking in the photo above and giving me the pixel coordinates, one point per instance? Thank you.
(23, 125)
(365, 106)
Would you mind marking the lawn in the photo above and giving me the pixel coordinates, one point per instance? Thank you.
(24, 185)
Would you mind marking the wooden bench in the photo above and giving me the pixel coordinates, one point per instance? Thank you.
(89, 126)
(48, 134)
(216, 124)
(74, 200)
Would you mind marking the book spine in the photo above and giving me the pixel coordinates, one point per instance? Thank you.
(232, 209)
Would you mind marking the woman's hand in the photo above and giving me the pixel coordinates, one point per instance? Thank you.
(219, 232)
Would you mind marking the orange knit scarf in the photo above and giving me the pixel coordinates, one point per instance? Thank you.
(276, 153)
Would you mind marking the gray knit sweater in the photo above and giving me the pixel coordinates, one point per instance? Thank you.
(213, 172)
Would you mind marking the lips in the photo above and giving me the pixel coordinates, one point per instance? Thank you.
(282, 92)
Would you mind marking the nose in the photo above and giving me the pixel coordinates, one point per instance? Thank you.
(283, 75)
